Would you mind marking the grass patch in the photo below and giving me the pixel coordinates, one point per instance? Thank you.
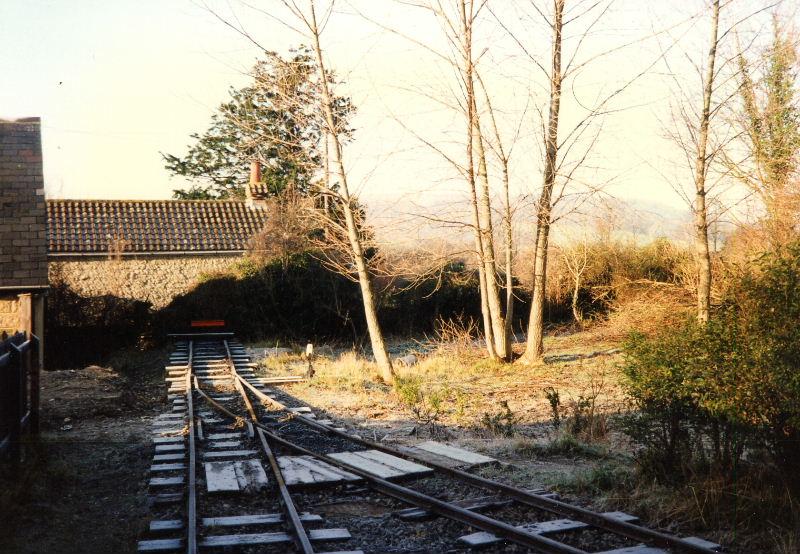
(756, 512)
(348, 373)
(565, 445)
(598, 480)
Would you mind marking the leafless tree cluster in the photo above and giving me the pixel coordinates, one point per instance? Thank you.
(734, 130)
(740, 124)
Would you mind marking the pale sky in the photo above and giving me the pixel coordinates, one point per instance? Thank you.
(118, 81)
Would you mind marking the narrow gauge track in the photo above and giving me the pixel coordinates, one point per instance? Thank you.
(190, 433)
(275, 425)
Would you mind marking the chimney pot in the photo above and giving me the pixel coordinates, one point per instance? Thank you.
(255, 172)
(255, 179)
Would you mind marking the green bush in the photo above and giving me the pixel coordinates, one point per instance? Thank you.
(709, 396)
(426, 403)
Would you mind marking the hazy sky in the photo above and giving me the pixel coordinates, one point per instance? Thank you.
(118, 81)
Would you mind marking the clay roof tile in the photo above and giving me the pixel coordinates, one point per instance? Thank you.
(90, 226)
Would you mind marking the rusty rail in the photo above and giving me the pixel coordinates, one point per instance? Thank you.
(191, 501)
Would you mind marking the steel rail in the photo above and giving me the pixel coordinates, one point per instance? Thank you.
(410, 496)
(191, 507)
(558, 507)
(300, 537)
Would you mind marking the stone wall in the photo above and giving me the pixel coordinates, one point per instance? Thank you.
(9, 316)
(156, 279)
(23, 215)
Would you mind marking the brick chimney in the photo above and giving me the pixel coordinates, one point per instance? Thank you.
(23, 213)
(253, 192)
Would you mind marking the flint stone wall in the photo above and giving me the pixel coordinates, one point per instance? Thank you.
(153, 279)
(9, 316)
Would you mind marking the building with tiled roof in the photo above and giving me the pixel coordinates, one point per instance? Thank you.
(150, 227)
(150, 250)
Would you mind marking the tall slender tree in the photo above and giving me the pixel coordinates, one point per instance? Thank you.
(544, 208)
(702, 250)
(322, 110)
(343, 196)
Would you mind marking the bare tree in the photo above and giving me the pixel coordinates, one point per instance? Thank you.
(535, 346)
(706, 139)
(566, 152)
(479, 183)
(575, 257)
(503, 155)
(702, 250)
(346, 201)
(344, 217)
(458, 19)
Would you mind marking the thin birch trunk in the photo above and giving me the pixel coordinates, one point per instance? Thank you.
(485, 272)
(487, 235)
(509, 246)
(701, 165)
(535, 345)
(508, 237)
(379, 349)
(488, 327)
(576, 313)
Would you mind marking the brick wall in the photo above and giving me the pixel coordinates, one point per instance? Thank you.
(156, 279)
(23, 215)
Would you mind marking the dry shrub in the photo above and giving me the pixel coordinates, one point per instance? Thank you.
(286, 232)
(615, 273)
(456, 334)
(646, 308)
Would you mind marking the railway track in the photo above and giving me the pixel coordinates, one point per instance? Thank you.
(227, 419)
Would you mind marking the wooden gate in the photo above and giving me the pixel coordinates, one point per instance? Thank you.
(19, 390)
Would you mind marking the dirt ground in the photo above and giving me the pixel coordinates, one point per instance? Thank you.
(505, 411)
(82, 487)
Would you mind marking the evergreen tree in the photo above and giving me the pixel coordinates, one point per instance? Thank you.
(269, 120)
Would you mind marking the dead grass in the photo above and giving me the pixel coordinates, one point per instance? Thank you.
(593, 462)
(754, 513)
(643, 307)
(469, 388)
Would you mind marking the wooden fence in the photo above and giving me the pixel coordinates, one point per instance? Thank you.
(19, 391)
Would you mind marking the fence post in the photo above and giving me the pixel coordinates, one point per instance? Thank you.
(16, 370)
(34, 369)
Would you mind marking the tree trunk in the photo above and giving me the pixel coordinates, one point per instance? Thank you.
(509, 246)
(479, 252)
(485, 272)
(508, 233)
(487, 239)
(364, 278)
(534, 349)
(701, 165)
(576, 313)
